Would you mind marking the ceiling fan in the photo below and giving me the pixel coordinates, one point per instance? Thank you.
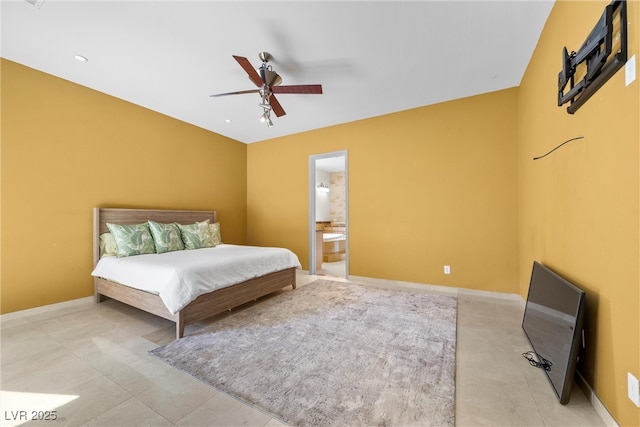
(269, 83)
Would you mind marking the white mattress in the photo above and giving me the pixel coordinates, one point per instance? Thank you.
(179, 277)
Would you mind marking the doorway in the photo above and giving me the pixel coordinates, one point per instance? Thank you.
(329, 214)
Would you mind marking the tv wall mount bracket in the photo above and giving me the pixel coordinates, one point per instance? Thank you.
(596, 54)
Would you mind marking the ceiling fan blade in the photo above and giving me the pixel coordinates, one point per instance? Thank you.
(276, 107)
(248, 68)
(239, 92)
(303, 89)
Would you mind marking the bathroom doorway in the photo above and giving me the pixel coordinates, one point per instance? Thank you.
(328, 214)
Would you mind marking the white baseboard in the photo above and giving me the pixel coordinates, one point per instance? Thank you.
(596, 402)
(45, 308)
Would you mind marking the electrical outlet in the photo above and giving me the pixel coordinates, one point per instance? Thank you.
(634, 389)
(447, 269)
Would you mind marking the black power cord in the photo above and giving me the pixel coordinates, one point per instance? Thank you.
(568, 140)
(541, 362)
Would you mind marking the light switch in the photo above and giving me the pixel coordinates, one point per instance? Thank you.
(630, 70)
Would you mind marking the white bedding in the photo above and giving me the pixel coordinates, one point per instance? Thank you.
(179, 277)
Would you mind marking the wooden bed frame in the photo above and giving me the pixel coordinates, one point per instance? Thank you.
(202, 307)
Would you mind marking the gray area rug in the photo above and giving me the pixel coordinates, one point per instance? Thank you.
(332, 353)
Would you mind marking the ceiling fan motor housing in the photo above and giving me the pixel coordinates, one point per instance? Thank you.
(269, 77)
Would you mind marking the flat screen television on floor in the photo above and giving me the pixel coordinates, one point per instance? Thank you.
(552, 321)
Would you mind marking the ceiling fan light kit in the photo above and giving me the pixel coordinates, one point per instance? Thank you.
(269, 83)
(266, 117)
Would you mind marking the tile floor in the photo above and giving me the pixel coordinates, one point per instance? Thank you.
(335, 269)
(88, 365)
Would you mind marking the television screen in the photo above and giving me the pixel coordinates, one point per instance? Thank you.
(552, 321)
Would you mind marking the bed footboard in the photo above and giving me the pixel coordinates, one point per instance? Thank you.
(204, 306)
(136, 298)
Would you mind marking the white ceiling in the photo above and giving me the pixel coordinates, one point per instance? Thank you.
(371, 57)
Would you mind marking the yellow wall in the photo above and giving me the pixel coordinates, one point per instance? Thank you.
(579, 206)
(427, 187)
(67, 149)
(452, 183)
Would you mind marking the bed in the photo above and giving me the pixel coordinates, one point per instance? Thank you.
(204, 305)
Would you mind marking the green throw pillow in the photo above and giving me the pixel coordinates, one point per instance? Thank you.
(166, 237)
(133, 239)
(196, 236)
(214, 229)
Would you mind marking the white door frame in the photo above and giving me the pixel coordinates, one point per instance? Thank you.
(312, 207)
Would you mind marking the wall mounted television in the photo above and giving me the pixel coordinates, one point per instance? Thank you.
(552, 321)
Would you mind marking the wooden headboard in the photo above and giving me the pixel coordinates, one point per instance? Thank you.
(102, 216)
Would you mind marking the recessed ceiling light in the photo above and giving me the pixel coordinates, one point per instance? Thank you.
(81, 58)
(228, 120)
